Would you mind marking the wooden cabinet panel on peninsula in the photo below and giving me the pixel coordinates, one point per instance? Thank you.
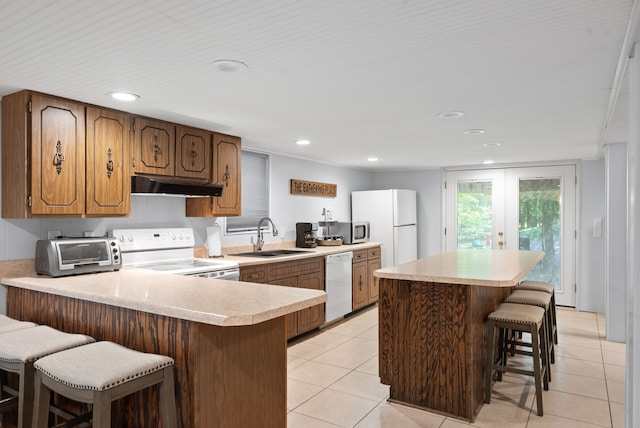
(365, 286)
(226, 170)
(305, 273)
(43, 156)
(108, 186)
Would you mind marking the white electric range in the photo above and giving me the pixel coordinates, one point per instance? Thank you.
(170, 251)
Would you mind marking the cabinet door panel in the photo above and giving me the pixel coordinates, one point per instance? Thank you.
(227, 160)
(291, 320)
(108, 155)
(155, 145)
(193, 153)
(372, 265)
(360, 293)
(226, 170)
(312, 317)
(58, 156)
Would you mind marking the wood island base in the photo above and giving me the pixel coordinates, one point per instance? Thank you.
(225, 376)
(432, 343)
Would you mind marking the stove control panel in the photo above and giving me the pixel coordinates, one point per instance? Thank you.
(154, 239)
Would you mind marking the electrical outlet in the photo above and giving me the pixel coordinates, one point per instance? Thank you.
(328, 214)
(52, 234)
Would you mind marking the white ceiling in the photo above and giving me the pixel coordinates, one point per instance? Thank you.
(358, 78)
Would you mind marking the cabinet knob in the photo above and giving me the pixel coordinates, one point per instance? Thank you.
(58, 157)
(194, 153)
(156, 152)
(109, 163)
(227, 176)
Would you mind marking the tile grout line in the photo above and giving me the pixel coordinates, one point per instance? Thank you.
(604, 369)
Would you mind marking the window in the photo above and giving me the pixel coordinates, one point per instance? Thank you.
(255, 193)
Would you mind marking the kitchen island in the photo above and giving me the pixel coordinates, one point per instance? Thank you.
(227, 338)
(432, 334)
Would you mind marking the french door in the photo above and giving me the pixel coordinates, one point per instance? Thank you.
(526, 208)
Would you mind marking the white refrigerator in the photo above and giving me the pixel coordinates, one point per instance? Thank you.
(393, 217)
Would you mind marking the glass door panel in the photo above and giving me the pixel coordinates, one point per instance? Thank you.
(475, 214)
(541, 213)
(539, 225)
(476, 199)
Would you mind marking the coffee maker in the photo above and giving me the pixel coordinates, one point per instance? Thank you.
(306, 234)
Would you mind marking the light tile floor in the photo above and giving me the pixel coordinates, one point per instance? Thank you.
(333, 382)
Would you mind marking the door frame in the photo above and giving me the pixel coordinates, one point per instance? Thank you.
(576, 211)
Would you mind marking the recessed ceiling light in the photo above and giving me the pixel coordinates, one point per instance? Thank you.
(229, 65)
(303, 142)
(451, 114)
(372, 159)
(123, 96)
(474, 131)
(491, 144)
(487, 162)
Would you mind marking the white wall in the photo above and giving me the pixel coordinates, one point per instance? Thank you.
(591, 278)
(428, 184)
(286, 209)
(616, 242)
(632, 378)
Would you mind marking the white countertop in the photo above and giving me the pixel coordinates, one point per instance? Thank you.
(210, 301)
(494, 268)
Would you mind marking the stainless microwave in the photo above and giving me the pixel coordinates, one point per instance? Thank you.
(353, 232)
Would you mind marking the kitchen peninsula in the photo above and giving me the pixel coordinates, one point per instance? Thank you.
(227, 338)
(432, 333)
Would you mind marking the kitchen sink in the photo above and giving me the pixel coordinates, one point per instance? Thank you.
(271, 253)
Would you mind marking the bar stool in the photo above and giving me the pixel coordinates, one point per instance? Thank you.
(20, 348)
(524, 318)
(547, 287)
(100, 373)
(9, 324)
(542, 300)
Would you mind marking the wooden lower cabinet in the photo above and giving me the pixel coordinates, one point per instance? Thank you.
(359, 285)
(305, 273)
(365, 286)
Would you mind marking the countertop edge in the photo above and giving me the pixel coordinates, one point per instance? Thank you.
(305, 298)
(409, 272)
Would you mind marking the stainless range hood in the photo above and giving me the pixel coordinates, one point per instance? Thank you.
(169, 186)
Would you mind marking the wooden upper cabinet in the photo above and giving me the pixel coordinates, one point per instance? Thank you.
(43, 156)
(154, 147)
(108, 185)
(227, 159)
(193, 153)
(58, 156)
(227, 170)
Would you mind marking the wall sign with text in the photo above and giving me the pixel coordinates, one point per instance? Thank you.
(313, 188)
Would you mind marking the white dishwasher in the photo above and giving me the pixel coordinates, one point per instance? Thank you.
(338, 285)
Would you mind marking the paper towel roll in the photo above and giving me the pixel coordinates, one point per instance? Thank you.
(214, 242)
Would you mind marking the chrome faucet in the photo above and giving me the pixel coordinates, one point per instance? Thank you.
(260, 241)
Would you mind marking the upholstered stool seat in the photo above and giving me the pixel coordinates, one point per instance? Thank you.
(542, 300)
(100, 373)
(516, 317)
(9, 324)
(18, 351)
(547, 287)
